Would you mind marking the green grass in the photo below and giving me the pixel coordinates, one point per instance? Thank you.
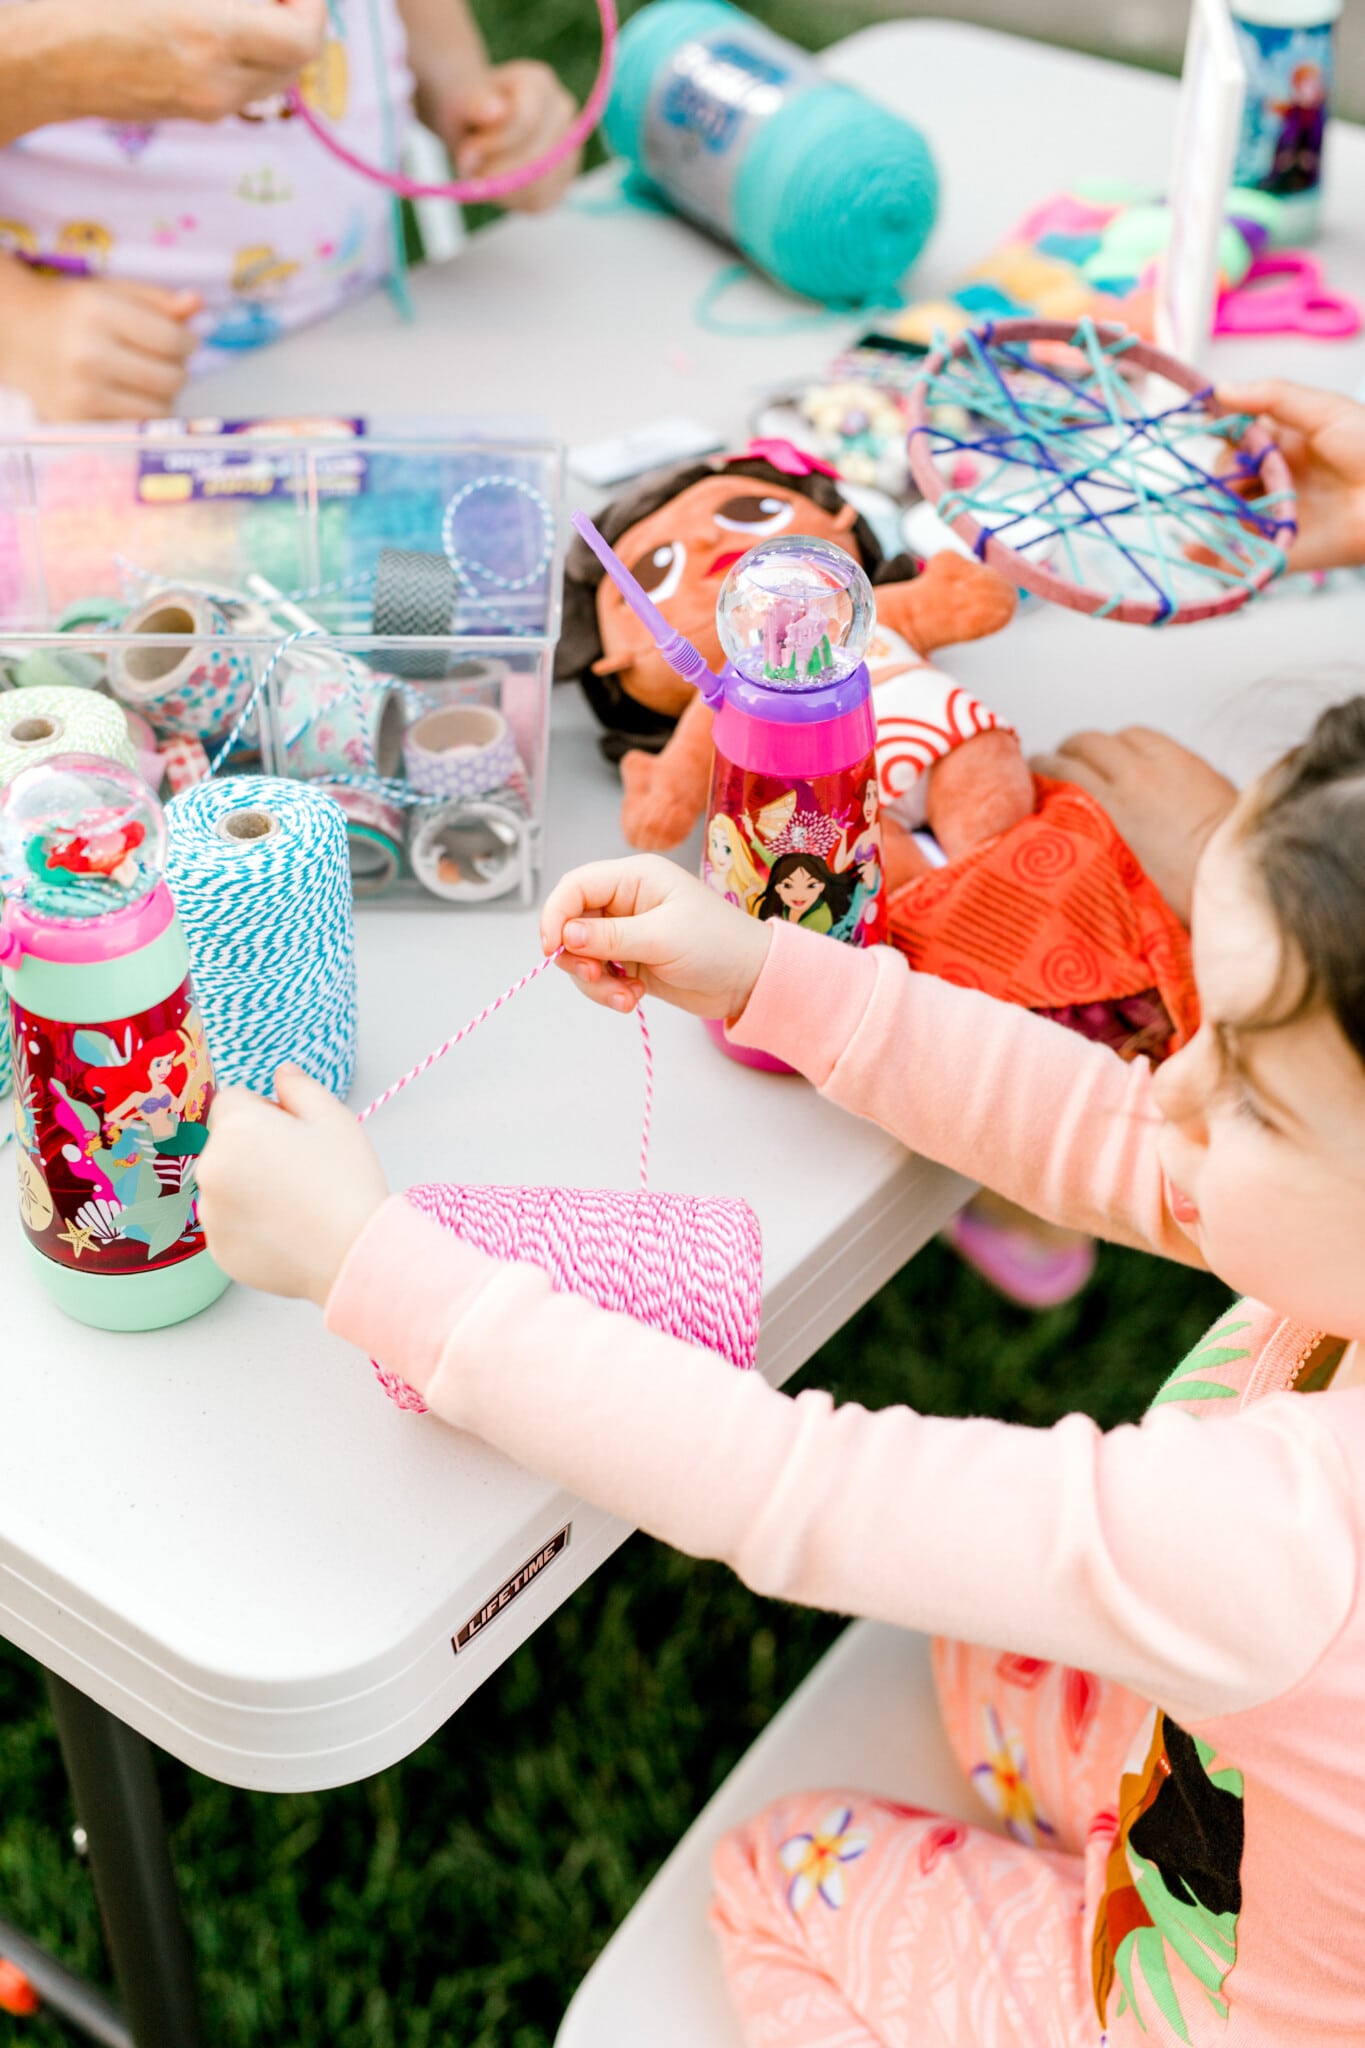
(459, 1897)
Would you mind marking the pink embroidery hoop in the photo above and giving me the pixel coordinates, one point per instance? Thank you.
(689, 1265)
(473, 190)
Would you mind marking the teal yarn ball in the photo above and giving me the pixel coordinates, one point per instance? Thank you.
(829, 193)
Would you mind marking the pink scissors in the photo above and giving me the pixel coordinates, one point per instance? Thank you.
(1301, 304)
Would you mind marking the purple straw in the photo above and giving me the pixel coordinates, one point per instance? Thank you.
(681, 656)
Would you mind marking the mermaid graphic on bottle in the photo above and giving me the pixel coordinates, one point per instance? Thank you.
(153, 1091)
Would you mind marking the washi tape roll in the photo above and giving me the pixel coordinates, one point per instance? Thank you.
(57, 668)
(374, 837)
(333, 717)
(196, 693)
(414, 594)
(462, 751)
(92, 615)
(37, 723)
(259, 871)
(471, 852)
(477, 674)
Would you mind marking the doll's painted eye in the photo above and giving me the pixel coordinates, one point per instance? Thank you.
(661, 570)
(756, 516)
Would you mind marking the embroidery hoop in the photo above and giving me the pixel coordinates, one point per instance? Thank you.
(1045, 432)
(474, 190)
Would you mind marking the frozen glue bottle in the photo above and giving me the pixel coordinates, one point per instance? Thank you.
(112, 1079)
(1286, 46)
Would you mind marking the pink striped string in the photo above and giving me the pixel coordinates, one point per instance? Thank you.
(423, 1065)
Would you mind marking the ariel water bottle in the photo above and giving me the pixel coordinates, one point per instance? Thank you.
(112, 1079)
(793, 826)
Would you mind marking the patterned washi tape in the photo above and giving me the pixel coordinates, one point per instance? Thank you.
(197, 694)
(414, 594)
(461, 752)
(333, 717)
(374, 837)
(471, 852)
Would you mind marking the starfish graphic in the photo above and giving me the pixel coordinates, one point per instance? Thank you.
(79, 1236)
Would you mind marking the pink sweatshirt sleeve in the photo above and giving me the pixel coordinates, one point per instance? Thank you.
(1031, 1109)
(1130, 1554)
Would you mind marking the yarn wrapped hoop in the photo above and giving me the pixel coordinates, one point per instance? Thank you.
(1053, 470)
(689, 1265)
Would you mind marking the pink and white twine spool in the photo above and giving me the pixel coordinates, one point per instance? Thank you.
(689, 1265)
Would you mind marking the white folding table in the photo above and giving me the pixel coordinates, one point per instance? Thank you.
(223, 1533)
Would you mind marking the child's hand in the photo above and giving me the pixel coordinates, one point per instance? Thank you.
(668, 933)
(285, 1191)
(1322, 437)
(518, 112)
(1164, 801)
(93, 348)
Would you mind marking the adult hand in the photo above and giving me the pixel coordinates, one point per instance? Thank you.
(286, 1187)
(162, 60)
(667, 933)
(1322, 437)
(510, 118)
(1164, 801)
(93, 348)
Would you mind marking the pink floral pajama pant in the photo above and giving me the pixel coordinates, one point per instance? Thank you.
(847, 1921)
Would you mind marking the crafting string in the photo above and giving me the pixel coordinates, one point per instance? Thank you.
(423, 1065)
(1066, 459)
(469, 572)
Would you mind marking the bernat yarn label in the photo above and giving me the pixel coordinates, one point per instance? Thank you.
(509, 1590)
(708, 100)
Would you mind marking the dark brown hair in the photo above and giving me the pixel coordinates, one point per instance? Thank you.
(580, 641)
(1305, 833)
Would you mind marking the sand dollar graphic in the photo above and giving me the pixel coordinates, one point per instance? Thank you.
(35, 1202)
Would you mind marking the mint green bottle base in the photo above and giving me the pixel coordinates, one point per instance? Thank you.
(131, 1301)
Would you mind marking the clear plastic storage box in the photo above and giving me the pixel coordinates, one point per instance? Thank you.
(376, 615)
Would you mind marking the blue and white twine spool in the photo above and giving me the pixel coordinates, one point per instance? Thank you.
(261, 876)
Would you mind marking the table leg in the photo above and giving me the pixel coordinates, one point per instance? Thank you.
(61, 1991)
(118, 1805)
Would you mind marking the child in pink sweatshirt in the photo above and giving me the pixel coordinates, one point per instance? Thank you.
(1170, 1718)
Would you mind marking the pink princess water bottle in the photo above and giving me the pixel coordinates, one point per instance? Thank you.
(793, 826)
(112, 1080)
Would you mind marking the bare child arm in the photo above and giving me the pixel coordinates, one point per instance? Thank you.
(149, 60)
(103, 349)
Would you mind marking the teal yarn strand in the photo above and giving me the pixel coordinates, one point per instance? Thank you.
(830, 194)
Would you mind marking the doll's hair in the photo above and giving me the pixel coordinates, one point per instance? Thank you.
(1304, 829)
(116, 1084)
(744, 870)
(838, 888)
(580, 638)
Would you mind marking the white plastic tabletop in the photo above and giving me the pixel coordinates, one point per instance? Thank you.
(223, 1532)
